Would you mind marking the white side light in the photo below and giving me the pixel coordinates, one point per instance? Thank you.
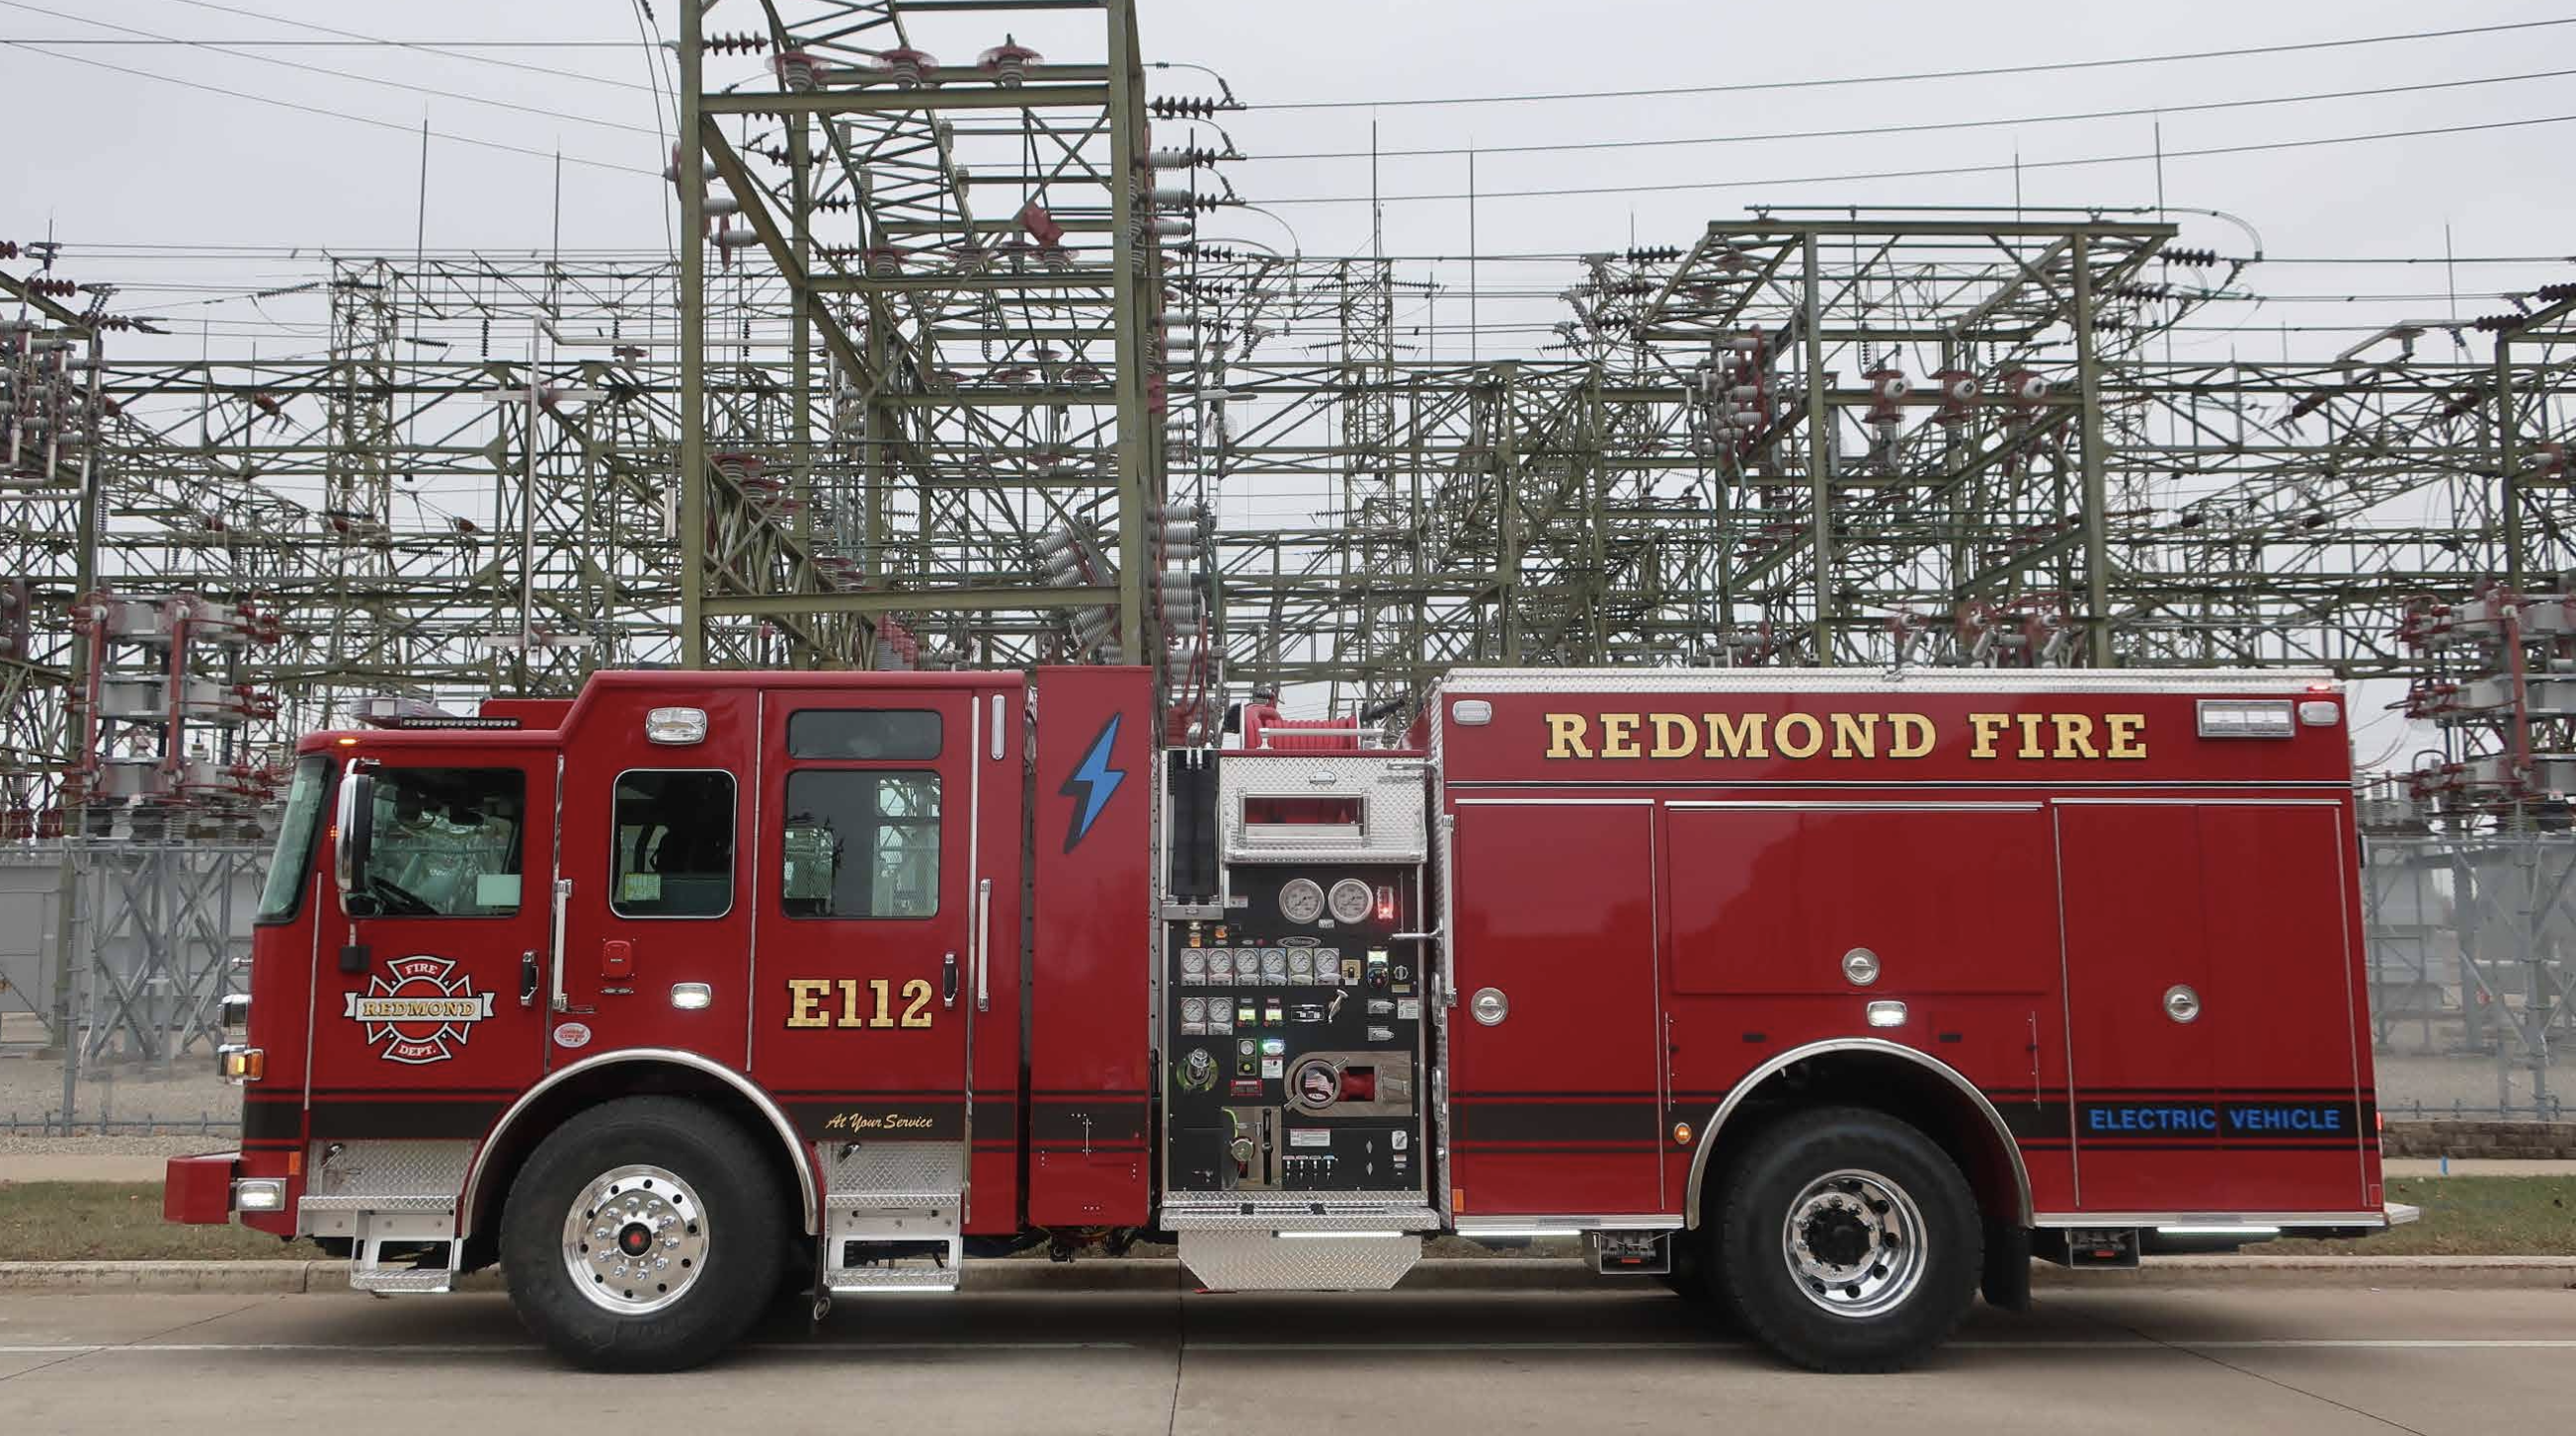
(1471, 712)
(2318, 713)
(692, 996)
(676, 726)
(259, 1194)
(1886, 1014)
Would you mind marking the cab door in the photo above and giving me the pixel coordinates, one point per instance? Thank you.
(887, 845)
(656, 883)
(428, 1010)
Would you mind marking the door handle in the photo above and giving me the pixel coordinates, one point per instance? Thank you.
(948, 981)
(562, 1000)
(528, 978)
(983, 945)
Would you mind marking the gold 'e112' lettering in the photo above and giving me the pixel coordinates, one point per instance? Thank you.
(864, 1002)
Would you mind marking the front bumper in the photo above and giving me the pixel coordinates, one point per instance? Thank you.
(198, 1191)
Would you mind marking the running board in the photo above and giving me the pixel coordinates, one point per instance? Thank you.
(422, 1229)
(891, 1241)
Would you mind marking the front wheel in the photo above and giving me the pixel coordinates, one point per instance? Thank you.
(643, 1235)
(1849, 1241)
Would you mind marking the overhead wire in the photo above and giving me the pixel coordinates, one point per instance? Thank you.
(373, 80)
(2001, 167)
(403, 129)
(1924, 127)
(1982, 72)
(421, 46)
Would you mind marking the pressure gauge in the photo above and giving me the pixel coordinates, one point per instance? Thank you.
(1301, 901)
(1220, 965)
(1194, 1011)
(1351, 900)
(1301, 965)
(1193, 965)
(1274, 965)
(1328, 966)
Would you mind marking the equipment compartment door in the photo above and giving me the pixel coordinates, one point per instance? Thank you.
(1555, 1069)
(2210, 1004)
(889, 829)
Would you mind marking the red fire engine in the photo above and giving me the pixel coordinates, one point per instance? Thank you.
(1833, 997)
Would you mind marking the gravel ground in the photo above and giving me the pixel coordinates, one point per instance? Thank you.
(31, 1095)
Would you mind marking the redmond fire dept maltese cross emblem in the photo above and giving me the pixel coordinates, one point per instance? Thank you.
(416, 1010)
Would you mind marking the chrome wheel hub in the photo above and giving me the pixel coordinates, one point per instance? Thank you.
(635, 1240)
(1853, 1241)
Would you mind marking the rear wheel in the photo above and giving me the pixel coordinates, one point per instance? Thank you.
(643, 1235)
(1848, 1241)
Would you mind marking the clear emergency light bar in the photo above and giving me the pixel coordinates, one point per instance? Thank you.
(2246, 718)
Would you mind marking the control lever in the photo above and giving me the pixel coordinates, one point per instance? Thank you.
(948, 981)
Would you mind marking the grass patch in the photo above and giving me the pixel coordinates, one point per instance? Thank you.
(2465, 1216)
(120, 1221)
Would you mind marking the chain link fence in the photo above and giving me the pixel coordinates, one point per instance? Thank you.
(2472, 990)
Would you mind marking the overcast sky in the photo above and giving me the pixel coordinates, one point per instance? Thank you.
(110, 158)
(173, 190)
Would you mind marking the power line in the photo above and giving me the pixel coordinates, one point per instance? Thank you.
(2139, 112)
(348, 75)
(400, 129)
(406, 44)
(1986, 72)
(346, 44)
(1947, 170)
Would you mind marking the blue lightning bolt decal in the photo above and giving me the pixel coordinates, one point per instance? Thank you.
(1093, 781)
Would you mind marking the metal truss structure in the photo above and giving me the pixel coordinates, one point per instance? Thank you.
(945, 373)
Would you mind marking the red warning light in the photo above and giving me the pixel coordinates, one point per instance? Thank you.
(1386, 902)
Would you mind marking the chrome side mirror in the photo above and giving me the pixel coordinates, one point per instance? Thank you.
(351, 838)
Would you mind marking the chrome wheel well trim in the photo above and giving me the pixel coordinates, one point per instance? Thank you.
(1869, 1046)
(760, 1100)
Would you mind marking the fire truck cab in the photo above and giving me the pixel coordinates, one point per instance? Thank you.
(1831, 997)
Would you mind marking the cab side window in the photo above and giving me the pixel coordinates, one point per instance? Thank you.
(861, 844)
(674, 834)
(445, 842)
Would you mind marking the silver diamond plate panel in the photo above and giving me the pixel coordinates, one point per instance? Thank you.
(1257, 1261)
(890, 1201)
(400, 1279)
(388, 1169)
(893, 1167)
(380, 1202)
(881, 1278)
(1392, 807)
(1887, 680)
(1400, 1211)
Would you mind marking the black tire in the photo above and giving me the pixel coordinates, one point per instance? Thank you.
(1906, 1231)
(730, 1252)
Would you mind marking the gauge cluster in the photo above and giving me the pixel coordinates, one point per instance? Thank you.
(1293, 1040)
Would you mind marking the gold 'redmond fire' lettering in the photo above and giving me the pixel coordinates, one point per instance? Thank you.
(1855, 735)
(1909, 735)
(1983, 729)
(1619, 736)
(2030, 746)
(2128, 735)
(1736, 735)
(2074, 736)
(1676, 736)
(1810, 735)
(1565, 735)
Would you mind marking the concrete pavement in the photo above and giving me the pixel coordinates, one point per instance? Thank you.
(2104, 1360)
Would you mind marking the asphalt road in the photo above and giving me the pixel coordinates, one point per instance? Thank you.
(1487, 1362)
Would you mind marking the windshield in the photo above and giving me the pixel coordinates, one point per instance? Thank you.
(292, 862)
